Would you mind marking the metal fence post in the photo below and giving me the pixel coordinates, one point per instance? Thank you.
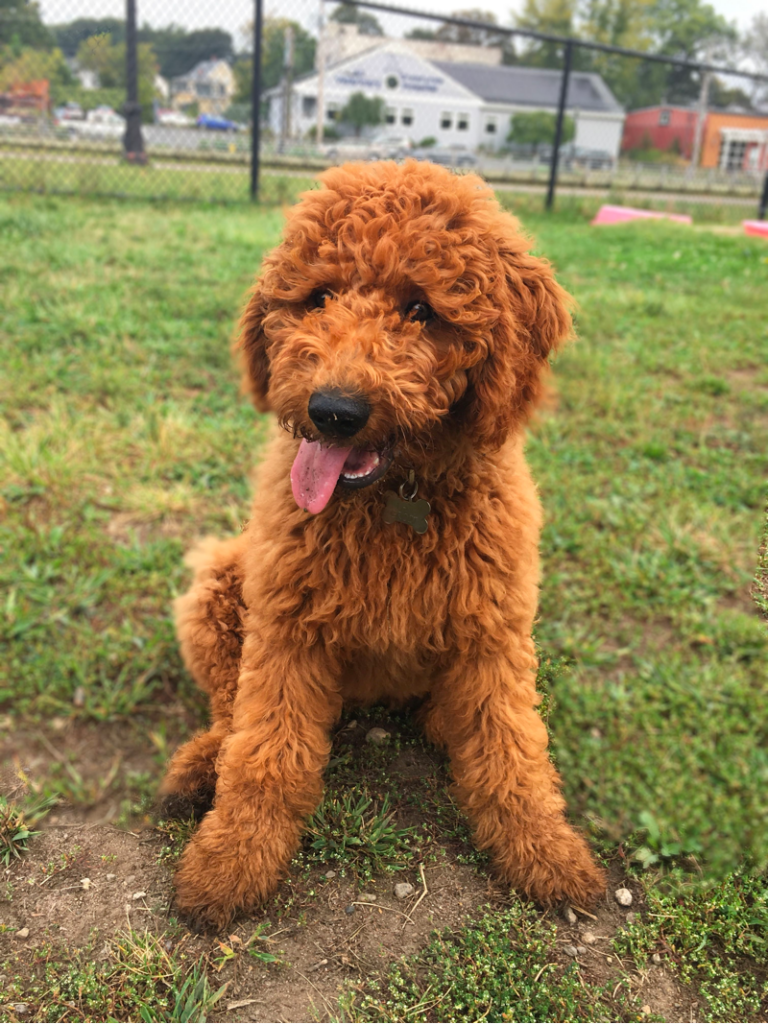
(567, 55)
(256, 100)
(133, 143)
(763, 207)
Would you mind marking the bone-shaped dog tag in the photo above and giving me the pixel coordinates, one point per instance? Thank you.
(401, 510)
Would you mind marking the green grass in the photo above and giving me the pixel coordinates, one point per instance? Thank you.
(501, 967)
(123, 437)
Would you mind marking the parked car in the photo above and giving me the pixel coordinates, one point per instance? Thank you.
(218, 124)
(173, 118)
(381, 146)
(448, 156)
(69, 112)
(9, 121)
(100, 123)
(573, 157)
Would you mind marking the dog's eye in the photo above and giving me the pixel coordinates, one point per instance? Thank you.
(319, 298)
(419, 312)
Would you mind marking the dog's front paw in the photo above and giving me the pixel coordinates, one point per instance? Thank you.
(223, 873)
(566, 870)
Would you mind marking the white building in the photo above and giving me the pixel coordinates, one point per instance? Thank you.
(456, 103)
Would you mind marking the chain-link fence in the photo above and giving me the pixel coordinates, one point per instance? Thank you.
(156, 98)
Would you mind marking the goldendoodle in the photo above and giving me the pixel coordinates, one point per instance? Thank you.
(399, 333)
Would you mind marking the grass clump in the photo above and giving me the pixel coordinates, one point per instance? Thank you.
(502, 967)
(715, 936)
(17, 826)
(138, 980)
(359, 832)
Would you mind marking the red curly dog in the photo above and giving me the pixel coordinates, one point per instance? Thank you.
(400, 331)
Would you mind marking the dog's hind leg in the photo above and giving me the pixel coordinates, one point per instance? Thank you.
(484, 708)
(209, 621)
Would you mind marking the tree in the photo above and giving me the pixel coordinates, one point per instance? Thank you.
(273, 57)
(538, 127)
(349, 14)
(178, 51)
(755, 47)
(71, 34)
(467, 36)
(556, 17)
(107, 59)
(362, 110)
(31, 65)
(21, 25)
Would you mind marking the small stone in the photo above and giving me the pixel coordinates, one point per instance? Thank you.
(138, 896)
(570, 916)
(351, 725)
(59, 724)
(350, 909)
(20, 1008)
(111, 877)
(85, 883)
(130, 878)
(581, 949)
(623, 897)
(571, 951)
(22, 933)
(656, 958)
(589, 938)
(645, 1010)
(78, 697)
(631, 917)
(403, 890)
(377, 736)
(330, 874)
(367, 897)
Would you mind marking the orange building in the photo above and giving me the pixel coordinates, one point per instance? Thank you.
(735, 142)
(26, 98)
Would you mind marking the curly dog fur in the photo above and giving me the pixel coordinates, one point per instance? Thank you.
(405, 288)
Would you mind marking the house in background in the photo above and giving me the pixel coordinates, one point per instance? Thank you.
(210, 85)
(455, 102)
(731, 139)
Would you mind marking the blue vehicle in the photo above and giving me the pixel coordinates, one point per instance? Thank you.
(217, 124)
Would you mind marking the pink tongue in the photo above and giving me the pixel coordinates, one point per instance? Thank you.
(314, 474)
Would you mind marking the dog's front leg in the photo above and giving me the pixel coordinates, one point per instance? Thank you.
(483, 709)
(269, 779)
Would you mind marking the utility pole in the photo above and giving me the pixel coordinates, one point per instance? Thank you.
(701, 118)
(319, 130)
(256, 100)
(133, 143)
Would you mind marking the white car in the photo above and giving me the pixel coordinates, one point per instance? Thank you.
(101, 123)
(382, 146)
(174, 119)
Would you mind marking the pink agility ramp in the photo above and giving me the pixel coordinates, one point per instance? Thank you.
(755, 227)
(619, 214)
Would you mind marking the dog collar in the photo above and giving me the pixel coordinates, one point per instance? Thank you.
(403, 508)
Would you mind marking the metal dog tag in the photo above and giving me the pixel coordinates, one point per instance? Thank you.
(401, 508)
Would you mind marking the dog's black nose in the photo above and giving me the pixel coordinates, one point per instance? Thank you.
(336, 415)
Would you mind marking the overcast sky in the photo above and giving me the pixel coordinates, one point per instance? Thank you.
(234, 14)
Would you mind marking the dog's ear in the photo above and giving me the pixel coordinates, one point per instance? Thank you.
(534, 320)
(251, 346)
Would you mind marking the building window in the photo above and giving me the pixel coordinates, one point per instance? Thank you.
(204, 89)
(406, 117)
(490, 125)
(392, 81)
(390, 115)
(308, 106)
(446, 121)
(332, 112)
(664, 118)
(732, 154)
(462, 122)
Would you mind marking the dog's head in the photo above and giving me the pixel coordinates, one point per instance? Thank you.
(401, 309)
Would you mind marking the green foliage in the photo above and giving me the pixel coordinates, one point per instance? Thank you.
(273, 53)
(27, 65)
(361, 111)
(15, 830)
(107, 60)
(708, 932)
(70, 35)
(349, 14)
(538, 126)
(356, 830)
(501, 967)
(428, 142)
(178, 50)
(21, 24)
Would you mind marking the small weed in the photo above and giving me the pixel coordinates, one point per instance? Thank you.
(16, 827)
(354, 829)
(177, 834)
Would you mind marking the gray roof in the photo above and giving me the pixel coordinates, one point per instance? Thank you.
(535, 87)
